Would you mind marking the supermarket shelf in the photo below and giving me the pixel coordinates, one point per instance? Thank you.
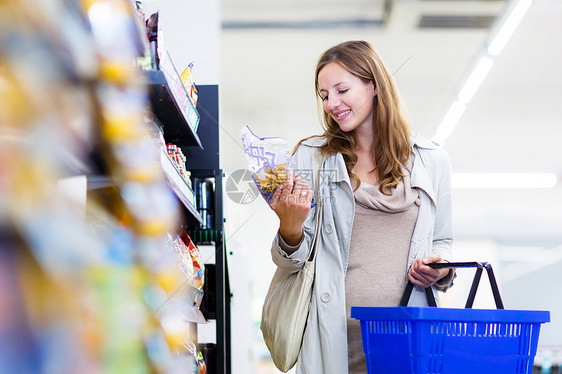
(74, 164)
(192, 315)
(139, 36)
(189, 313)
(95, 182)
(186, 298)
(179, 186)
(173, 109)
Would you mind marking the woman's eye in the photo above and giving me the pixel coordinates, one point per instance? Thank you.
(343, 91)
(324, 98)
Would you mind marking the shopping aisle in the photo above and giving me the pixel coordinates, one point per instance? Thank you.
(111, 250)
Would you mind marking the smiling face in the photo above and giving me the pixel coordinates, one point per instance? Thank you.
(346, 98)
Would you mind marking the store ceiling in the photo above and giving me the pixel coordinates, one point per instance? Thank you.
(513, 124)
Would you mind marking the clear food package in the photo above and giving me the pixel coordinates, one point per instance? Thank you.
(268, 159)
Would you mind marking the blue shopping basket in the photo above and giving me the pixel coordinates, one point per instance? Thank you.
(433, 340)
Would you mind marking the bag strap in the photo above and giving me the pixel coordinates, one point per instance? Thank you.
(476, 281)
(318, 214)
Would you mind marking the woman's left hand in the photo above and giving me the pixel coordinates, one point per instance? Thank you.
(424, 276)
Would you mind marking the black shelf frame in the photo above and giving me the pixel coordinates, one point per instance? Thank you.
(204, 165)
(201, 149)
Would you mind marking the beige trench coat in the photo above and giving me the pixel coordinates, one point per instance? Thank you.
(324, 348)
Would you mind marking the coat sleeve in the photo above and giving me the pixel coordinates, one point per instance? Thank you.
(290, 258)
(443, 229)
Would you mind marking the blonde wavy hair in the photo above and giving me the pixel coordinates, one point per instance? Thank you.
(391, 144)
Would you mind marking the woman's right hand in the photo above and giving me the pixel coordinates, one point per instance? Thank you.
(291, 202)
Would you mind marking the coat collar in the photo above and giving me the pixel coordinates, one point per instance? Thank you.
(422, 142)
(420, 177)
(417, 141)
(334, 167)
(316, 141)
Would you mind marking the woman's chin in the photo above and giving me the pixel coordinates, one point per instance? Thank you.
(346, 128)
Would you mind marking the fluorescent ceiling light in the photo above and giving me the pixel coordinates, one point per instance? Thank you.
(475, 79)
(449, 122)
(504, 180)
(508, 26)
(466, 93)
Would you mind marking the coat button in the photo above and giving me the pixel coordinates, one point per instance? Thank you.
(329, 228)
(326, 297)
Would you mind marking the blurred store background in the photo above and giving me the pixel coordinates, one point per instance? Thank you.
(502, 131)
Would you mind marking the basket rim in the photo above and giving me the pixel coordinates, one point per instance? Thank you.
(449, 314)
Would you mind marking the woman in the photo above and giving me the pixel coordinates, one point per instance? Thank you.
(387, 211)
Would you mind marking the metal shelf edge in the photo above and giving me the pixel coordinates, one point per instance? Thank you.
(178, 185)
(157, 81)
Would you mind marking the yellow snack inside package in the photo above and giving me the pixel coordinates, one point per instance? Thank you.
(268, 159)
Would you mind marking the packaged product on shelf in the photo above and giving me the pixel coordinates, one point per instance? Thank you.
(268, 159)
(165, 345)
(175, 328)
(121, 317)
(155, 131)
(128, 136)
(152, 35)
(86, 283)
(194, 94)
(198, 267)
(116, 38)
(184, 257)
(190, 292)
(172, 149)
(156, 346)
(134, 160)
(39, 320)
(200, 366)
(178, 92)
(180, 162)
(187, 78)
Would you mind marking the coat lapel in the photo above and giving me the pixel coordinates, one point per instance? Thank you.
(420, 176)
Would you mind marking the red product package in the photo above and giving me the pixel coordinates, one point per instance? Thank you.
(198, 267)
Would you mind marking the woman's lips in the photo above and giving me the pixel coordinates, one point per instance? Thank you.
(342, 114)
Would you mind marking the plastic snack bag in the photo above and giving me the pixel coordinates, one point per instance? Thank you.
(268, 159)
(198, 277)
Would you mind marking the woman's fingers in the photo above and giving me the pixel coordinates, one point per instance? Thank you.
(301, 190)
(309, 195)
(422, 275)
(295, 189)
(294, 192)
(291, 203)
(418, 279)
(288, 185)
(276, 198)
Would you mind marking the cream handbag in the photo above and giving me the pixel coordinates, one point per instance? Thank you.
(287, 303)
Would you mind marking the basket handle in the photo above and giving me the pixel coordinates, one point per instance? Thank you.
(470, 301)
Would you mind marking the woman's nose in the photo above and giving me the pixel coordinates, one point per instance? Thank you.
(332, 103)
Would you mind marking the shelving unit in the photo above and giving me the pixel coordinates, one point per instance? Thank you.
(197, 133)
(180, 120)
(180, 187)
(90, 278)
(207, 226)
